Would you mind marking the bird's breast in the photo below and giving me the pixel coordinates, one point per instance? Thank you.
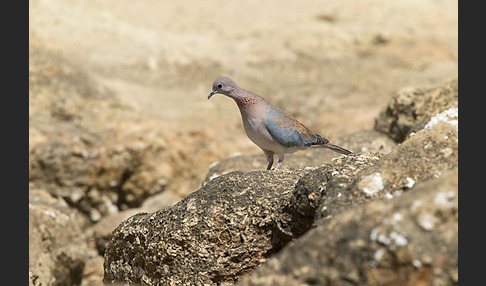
(257, 132)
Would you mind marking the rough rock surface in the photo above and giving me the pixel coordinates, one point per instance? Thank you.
(413, 107)
(411, 239)
(102, 230)
(328, 187)
(99, 180)
(217, 234)
(57, 249)
(99, 234)
(427, 154)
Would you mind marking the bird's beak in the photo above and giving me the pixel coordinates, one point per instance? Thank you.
(212, 93)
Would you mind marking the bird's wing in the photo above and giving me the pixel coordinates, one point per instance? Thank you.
(286, 130)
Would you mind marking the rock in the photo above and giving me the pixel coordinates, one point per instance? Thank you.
(215, 235)
(98, 180)
(57, 247)
(427, 154)
(367, 141)
(402, 227)
(358, 178)
(99, 234)
(412, 108)
(93, 272)
(327, 188)
(102, 230)
(85, 145)
(411, 239)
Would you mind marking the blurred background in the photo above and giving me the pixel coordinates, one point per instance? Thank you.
(118, 109)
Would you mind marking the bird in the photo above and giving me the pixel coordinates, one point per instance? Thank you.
(271, 128)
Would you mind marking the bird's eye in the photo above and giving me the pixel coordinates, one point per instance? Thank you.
(220, 85)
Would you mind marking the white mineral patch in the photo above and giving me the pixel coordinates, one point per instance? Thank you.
(75, 196)
(213, 164)
(417, 263)
(396, 217)
(213, 176)
(371, 184)
(112, 209)
(427, 221)
(447, 151)
(410, 182)
(379, 254)
(398, 238)
(450, 116)
(50, 213)
(392, 240)
(94, 215)
(445, 199)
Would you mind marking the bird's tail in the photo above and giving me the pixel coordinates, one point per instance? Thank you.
(323, 142)
(336, 148)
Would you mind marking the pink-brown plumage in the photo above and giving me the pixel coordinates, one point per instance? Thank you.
(271, 128)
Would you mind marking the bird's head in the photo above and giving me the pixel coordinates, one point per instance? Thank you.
(223, 85)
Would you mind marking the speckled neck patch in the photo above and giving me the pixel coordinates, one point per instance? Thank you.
(246, 102)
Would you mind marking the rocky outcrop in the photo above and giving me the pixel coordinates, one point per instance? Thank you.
(411, 239)
(217, 234)
(101, 231)
(413, 107)
(427, 154)
(361, 205)
(57, 246)
(98, 180)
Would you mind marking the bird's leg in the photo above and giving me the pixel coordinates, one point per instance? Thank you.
(280, 160)
(269, 155)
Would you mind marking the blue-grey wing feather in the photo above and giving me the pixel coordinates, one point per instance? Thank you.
(288, 131)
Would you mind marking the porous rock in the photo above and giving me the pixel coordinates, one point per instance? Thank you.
(97, 179)
(57, 249)
(361, 177)
(215, 235)
(412, 108)
(101, 231)
(327, 188)
(428, 153)
(411, 239)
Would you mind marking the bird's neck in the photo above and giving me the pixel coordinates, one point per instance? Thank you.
(246, 100)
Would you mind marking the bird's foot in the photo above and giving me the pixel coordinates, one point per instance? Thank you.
(278, 164)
